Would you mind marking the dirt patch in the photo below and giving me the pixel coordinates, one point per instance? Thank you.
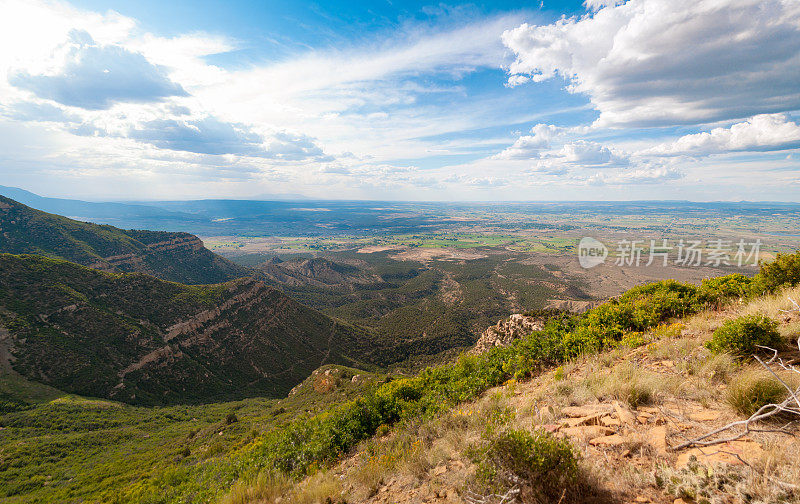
(450, 290)
(5, 352)
(420, 254)
(377, 248)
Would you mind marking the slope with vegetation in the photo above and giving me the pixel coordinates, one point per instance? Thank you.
(137, 339)
(479, 431)
(416, 309)
(57, 447)
(179, 257)
(592, 405)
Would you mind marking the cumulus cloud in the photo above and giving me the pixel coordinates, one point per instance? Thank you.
(202, 136)
(585, 153)
(664, 62)
(766, 132)
(95, 77)
(210, 135)
(529, 146)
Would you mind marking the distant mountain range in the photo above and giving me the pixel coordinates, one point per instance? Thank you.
(179, 257)
(292, 215)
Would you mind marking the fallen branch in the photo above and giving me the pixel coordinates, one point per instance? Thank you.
(506, 498)
(787, 407)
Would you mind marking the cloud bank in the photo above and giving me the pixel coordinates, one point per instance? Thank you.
(658, 62)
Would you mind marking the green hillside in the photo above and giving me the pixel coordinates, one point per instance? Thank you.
(137, 339)
(179, 257)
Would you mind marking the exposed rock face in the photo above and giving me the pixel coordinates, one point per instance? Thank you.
(181, 243)
(507, 330)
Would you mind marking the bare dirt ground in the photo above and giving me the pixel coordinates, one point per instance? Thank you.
(424, 255)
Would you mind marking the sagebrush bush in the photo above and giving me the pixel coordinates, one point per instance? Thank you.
(541, 465)
(742, 336)
(752, 390)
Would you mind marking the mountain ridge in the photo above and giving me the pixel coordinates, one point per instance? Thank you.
(179, 257)
(137, 339)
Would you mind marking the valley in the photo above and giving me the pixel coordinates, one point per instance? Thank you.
(400, 252)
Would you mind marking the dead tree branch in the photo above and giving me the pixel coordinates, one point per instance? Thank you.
(790, 406)
(506, 498)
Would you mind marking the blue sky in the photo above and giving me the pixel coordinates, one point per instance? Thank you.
(607, 99)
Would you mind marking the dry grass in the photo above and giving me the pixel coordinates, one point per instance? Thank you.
(317, 489)
(264, 489)
(631, 384)
(268, 488)
(773, 478)
(752, 389)
(772, 305)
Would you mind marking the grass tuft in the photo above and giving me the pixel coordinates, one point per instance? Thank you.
(752, 390)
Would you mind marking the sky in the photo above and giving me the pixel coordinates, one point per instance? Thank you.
(402, 100)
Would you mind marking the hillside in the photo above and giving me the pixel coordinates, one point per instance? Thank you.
(178, 257)
(314, 272)
(580, 410)
(137, 339)
(421, 311)
(614, 423)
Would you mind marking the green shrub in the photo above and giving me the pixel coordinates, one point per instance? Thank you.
(783, 271)
(752, 390)
(542, 466)
(743, 335)
(716, 291)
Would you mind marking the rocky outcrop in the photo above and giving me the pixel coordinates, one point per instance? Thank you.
(180, 242)
(507, 330)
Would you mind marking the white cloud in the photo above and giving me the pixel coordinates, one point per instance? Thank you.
(548, 169)
(94, 77)
(766, 132)
(209, 135)
(654, 175)
(639, 176)
(38, 111)
(596, 5)
(394, 101)
(529, 146)
(662, 62)
(487, 182)
(585, 153)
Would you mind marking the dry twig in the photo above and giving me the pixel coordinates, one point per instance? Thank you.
(506, 498)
